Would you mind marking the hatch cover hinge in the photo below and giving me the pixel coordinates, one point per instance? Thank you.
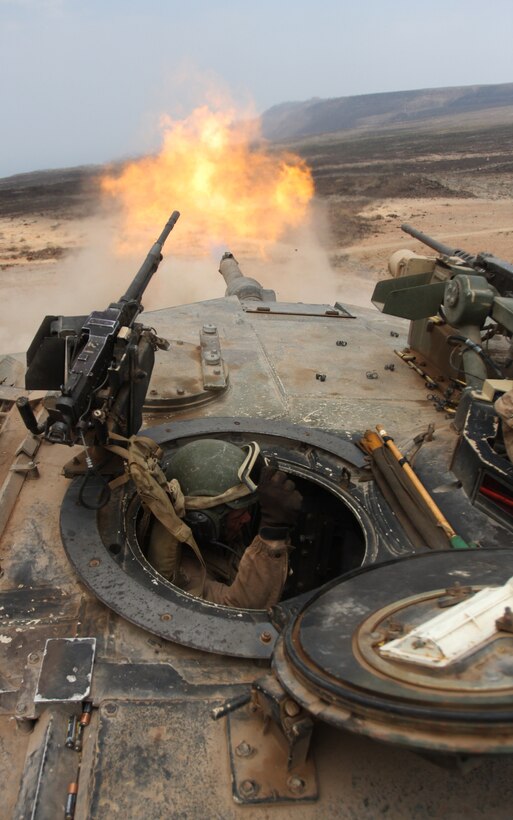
(273, 308)
(269, 744)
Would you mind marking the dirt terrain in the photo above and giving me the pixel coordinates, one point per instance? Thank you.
(454, 184)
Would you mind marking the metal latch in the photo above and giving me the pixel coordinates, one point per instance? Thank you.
(28, 448)
(28, 468)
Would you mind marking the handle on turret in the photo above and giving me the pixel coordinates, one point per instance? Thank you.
(27, 414)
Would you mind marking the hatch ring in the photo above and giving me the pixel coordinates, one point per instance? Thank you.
(110, 564)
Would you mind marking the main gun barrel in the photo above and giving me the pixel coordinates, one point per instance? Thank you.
(142, 278)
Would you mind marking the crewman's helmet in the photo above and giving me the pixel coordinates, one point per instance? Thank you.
(216, 476)
(211, 467)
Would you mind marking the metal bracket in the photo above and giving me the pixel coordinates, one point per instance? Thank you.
(28, 447)
(455, 594)
(268, 748)
(29, 468)
(212, 364)
(275, 704)
(505, 622)
(105, 463)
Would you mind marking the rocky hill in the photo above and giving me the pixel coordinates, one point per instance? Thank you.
(296, 120)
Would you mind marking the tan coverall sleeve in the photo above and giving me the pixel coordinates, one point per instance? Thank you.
(504, 409)
(259, 581)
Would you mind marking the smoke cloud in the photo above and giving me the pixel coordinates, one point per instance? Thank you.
(297, 267)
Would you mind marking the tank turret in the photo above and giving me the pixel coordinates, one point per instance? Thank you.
(125, 690)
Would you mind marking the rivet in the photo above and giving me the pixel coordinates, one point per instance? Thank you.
(212, 357)
(94, 562)
(266, 637)
(244, 749)
(165, 616)
(33, 657)
(296, 784)
(291, 708)
(110, 708)
(249, 788)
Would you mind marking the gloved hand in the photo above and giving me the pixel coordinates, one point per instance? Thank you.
(280, 502)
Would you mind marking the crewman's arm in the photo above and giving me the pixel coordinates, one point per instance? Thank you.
(263, 568)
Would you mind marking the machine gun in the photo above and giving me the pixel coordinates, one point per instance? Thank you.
(497, 272)
(461, 291)
(99, 366)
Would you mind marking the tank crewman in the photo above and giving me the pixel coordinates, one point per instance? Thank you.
(220, 499)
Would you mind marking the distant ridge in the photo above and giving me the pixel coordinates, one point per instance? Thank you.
(294, 120)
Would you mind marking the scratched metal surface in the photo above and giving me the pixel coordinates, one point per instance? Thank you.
(273, 362)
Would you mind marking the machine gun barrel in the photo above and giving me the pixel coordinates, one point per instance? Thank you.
(142, 278)
(437, 246)
(498, 272)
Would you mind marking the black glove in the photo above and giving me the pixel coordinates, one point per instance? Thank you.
(280, 502)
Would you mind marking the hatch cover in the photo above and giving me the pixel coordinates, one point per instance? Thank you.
(187, 375)
(330, 657)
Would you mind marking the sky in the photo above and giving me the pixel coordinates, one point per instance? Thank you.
(87, 81)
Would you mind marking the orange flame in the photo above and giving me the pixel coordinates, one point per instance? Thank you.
(226, 189)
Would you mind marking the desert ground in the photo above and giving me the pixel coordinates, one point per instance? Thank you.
(454, 184)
